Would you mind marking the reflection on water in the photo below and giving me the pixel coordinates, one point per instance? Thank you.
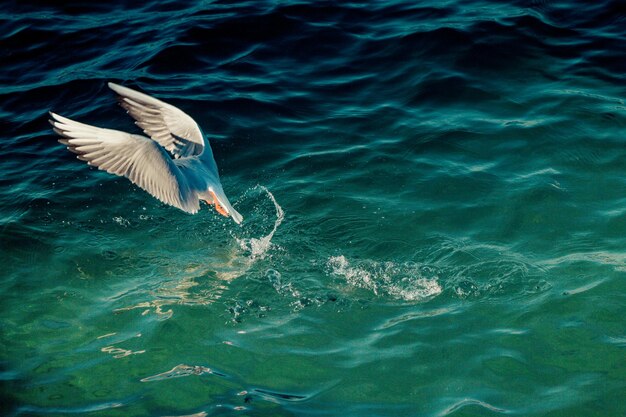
(118, 353)
(180, 371)
(181, 291)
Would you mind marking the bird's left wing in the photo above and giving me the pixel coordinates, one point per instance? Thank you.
(172, 128)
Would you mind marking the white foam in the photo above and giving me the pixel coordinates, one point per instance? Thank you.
(355, 276)
(121, 221)
(403, 281)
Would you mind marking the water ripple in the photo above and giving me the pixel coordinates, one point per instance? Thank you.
(182, 371)
(451, 214)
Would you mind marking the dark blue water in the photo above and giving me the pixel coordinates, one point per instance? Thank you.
(433, 196)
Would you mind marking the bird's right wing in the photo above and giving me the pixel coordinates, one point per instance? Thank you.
(171, 127)
(135, 157)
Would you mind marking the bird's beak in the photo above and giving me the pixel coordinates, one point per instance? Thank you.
(225, 209)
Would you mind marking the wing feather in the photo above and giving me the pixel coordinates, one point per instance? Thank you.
(172, 128)
(135, 157)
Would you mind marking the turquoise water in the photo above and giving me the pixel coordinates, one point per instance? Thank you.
(433, 202)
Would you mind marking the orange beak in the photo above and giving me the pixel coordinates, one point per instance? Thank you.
(221, 210)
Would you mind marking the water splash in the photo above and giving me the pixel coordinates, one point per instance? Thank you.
(258, 247)
(250, 249)
(406, 281)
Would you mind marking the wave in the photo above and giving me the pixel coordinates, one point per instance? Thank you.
(482, 142)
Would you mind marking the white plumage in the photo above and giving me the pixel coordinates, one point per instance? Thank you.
(182, 181)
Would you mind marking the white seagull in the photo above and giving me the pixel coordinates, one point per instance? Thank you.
(182, 181)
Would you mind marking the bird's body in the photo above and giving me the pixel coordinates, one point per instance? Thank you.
(180, 180)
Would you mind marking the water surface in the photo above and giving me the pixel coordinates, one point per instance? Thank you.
(433, 196)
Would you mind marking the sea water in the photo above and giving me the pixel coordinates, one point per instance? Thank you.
(433, 196)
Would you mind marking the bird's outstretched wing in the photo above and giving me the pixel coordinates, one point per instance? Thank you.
(172, 128)
(135, 157)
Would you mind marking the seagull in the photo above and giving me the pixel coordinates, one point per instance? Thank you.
(180, 180)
